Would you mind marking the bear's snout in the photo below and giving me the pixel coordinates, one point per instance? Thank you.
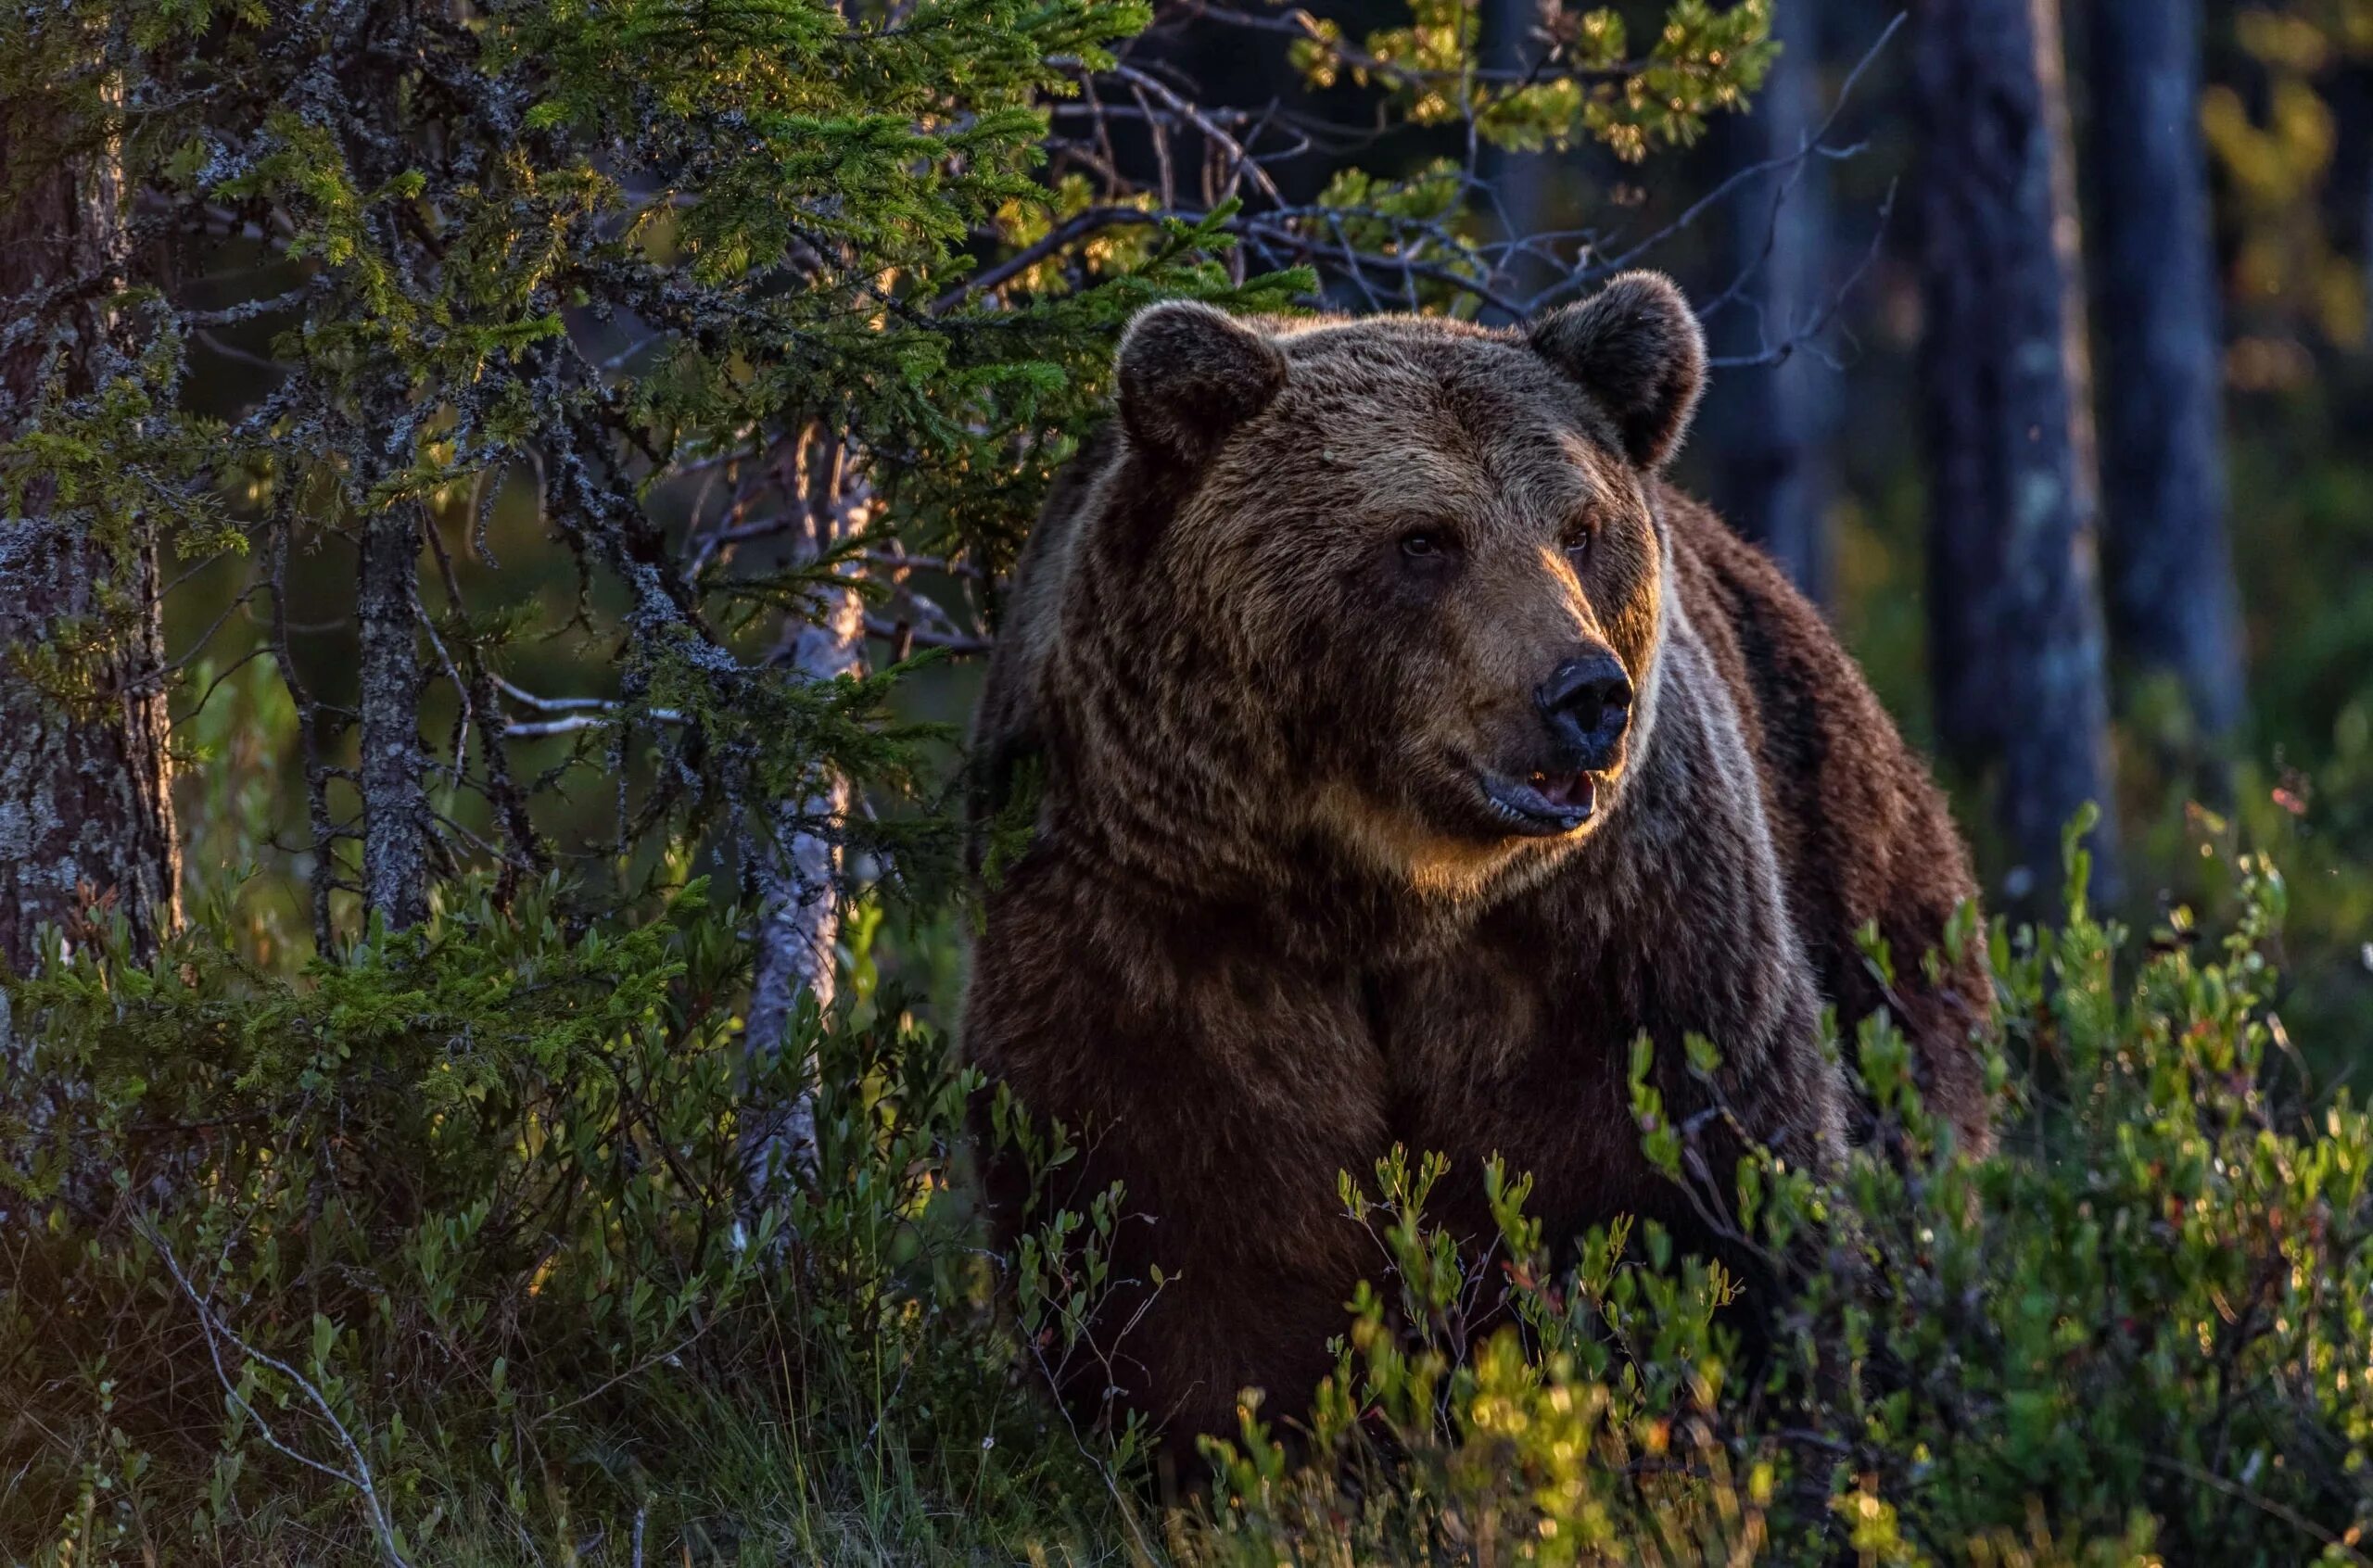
(1586, 703)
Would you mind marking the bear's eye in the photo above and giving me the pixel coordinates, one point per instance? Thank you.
(1575, 540)
(1427, 544)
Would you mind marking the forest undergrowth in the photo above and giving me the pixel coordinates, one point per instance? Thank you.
(431, 1256)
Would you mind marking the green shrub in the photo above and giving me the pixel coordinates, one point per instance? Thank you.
(455, 1216)
(2142, 1327)
(436, 1246)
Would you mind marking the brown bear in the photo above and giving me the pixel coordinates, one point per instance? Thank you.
(1407, 748)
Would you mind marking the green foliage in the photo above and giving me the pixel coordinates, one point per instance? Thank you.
(1589, 86)
(457, 1212)
(442, 1238)
(2141, 1329)
(626, 252)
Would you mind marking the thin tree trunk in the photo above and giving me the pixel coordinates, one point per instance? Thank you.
(2016, 618)
(1773, 480)
(85, 815)
(396, 817)
(796, 862)
(1520, 182)
(2351, 103)
(2169, 588)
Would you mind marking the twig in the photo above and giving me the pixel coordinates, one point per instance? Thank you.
(957, 643)
(1095, 220)
(1193, 115)
(233, 352)
(552, 705)
(2239, 1492)
(1819, 321)
(898, 559)
(216, 1329)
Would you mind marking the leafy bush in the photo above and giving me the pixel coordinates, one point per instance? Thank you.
(438, 1246)
(2142, 1327)
(431, 1253)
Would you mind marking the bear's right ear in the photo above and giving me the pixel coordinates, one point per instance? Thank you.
(1189, 375)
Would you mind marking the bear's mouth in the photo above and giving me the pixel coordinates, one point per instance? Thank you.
(1543, 803)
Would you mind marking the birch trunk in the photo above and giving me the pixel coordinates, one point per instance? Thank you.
(796, 857)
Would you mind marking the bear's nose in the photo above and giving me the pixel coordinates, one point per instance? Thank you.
(1587, 701)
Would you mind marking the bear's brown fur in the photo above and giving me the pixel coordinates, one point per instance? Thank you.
(1317, 867)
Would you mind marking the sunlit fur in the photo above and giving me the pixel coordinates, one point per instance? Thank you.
(1268, 927)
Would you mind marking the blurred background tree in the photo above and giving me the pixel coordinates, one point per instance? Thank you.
(2173, 605)
(2017, 655)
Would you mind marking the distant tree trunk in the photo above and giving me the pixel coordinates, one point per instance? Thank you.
(2364, 199)
(85, 815)
(395, 817)
(2016, 618)
(1520, 182)
(2170, 592)
(2350, 101)
(1772, 479)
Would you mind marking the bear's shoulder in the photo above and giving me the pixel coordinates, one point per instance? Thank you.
(1006, 721)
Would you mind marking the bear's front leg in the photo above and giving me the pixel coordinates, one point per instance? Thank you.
(1222, 1103)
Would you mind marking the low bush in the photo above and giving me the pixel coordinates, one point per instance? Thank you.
(2140, 1330)
(431, 1255)
(434, 1254)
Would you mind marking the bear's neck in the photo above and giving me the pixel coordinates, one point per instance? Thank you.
(1180, 894)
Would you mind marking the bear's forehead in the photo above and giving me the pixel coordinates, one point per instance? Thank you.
(1396, 359)
(1432, 414)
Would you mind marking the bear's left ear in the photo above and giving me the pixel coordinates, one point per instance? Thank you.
(1636, 347)
(1189, 375)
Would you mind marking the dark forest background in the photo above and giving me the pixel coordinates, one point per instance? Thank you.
(505, 508)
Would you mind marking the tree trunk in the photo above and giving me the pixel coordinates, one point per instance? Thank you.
(2016, 619)
(1772, 479)
(2170, 592)
(1519, 183)
(396, 818)
(796, 866)
(2350, 100)
(85, 817)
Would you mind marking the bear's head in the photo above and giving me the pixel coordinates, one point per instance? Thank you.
(1386, 594)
